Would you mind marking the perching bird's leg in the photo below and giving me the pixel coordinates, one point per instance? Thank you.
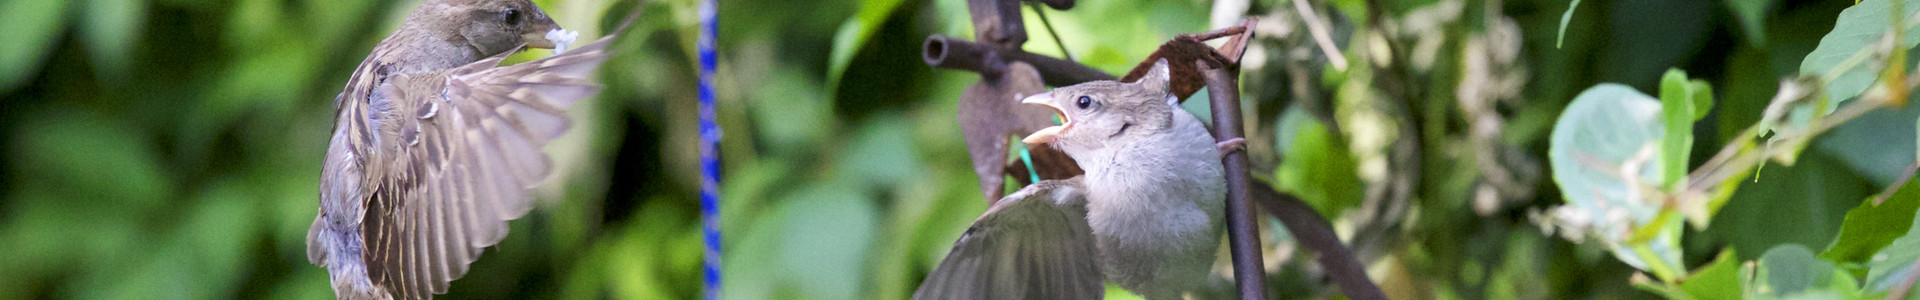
(1231, 145)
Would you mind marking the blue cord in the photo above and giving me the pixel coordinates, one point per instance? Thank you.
(709, 149)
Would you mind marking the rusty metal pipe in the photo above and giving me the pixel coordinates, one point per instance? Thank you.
(945, 52)
(950, 53)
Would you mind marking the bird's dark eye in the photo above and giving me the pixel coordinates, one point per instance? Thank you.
(1083, 102)
(511, 16)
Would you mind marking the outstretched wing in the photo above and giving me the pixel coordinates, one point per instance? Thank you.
(1033, 244)
(468, 142)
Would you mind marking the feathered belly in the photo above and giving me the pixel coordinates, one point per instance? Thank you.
(1164, 249)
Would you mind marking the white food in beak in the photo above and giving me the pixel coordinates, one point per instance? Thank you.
(561, 39)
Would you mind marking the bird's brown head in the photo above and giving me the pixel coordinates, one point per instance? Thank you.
(1105, 113)
(488, 26)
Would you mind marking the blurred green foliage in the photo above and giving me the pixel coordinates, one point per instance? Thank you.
(171, 148)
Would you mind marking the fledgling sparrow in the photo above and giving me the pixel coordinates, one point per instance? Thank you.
(1146, 215)
(435, 145)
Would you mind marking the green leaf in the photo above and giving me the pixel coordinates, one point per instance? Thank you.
(853, 35)
(94, 159)
(1702, 98)
(1800, 204)
(1718, 280)
(640, 260)
(1319, 169)
(825, 239)
(1878, 145)
(882, 152)
(1791, 270)
(1564, 18)
(788, 112)
(1602, 153)
(1844, 58)
(1752, 15)
(109, 28)
(1869, 227)
(32, 29)
(1676, 109)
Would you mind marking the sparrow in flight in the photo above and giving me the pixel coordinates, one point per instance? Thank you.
(435, 145)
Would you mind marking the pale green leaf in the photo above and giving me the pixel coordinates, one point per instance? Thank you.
(1603, 156)
(1792, 272)
(1844, 59)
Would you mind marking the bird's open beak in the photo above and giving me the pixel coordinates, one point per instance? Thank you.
(1052, 133)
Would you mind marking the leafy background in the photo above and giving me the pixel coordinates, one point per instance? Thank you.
(171, 148)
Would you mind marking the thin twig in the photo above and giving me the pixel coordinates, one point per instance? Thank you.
(1049, 25)
(1714, 174)
(1747, 159)
(1318, 29)
(1722, 164)
(1905, 175)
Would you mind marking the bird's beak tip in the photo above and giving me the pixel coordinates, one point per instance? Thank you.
(546, 35)
(1041, 99)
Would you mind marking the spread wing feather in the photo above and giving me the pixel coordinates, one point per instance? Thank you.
(1032, 244)
(469, 145)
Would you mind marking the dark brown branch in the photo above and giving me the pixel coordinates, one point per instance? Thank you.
(947, 52)
(1243, 235)
(1312, 231)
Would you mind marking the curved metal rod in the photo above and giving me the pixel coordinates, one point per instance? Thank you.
(947, 52)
